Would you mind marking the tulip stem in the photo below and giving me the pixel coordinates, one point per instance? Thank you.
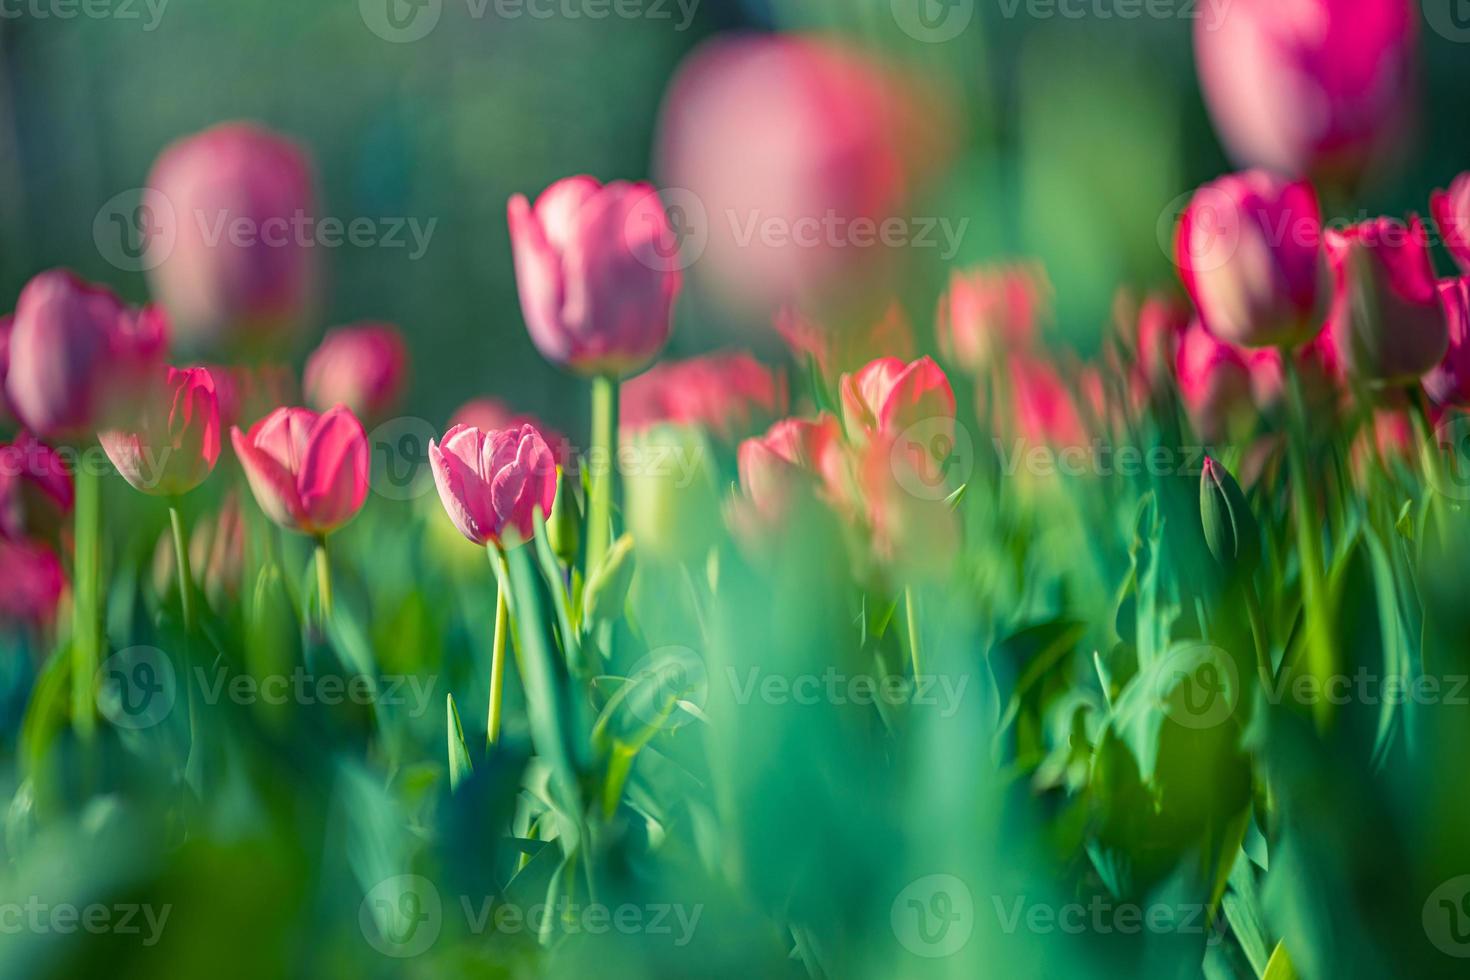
(497, 652)
(604, 450)
(85, 632)
(1258, 633)
(324, 581)
(911, 604)
(1429, 444)
(1318, 639)
(185, 575)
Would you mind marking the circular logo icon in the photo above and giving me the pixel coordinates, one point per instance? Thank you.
(136, 688)
(1452, 436)
(400, 458)
(1197, 685)
(668, 231)
(933, 916)
(401, 916)
(666, 676)
(400, 21)
(933, 21)
(1447, 917)
(932, 458)
(135, 230)
(1450, 19)
(1214, 229)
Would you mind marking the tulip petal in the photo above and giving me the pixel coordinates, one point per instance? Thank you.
(334, 472)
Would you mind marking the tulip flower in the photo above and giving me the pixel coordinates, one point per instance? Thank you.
(308, 472)
(1157, 330)
(231, 252)
(725, 394)
(1319, 88)
(1451, 211)
(1214, 383)
(1448, 383)
(489, 414)
(1231, 532)
(36, 489)
(888, 396)
(31, 582)
(1387, 319)
(916, 535)
(7, 414)
(492, 483)
(1045, 411)
(176, 440)
(794, 454)
(1249, 251)
(597, 295)
(77, 354)
(837, 348)
(989, 310)
(364, 367)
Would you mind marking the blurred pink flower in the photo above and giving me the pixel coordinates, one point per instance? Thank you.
(727, 394)
(489, 414)
(1448, 383)
(1321, 88)
(794, 455)
(308, 472)
(989, 310)
(1214, 382)
(1151, 333)
(31, 582)
(596, 280)
(173, 439)
(77, 354)
(1249, 251)
(36, 492)
(1451, 211)
(492, 483)
(1045, 411)
(917, 536)
(7, 322)
(364, 366)
(838, 348)
(1387, 319)
(888, 396)
(231, 252)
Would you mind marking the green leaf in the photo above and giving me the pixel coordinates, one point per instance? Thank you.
(460, 767)
(1280, 968)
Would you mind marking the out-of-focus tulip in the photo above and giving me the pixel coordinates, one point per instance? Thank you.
(7, 414)
(31, 582)
(888, 396)
(794, 455)
(989, 311)
(1152, 332)
(1388, 321)
(489, 414)
(231, 251)
(1318, 366)
(1249, 251)
(308, 472)
(727, 394)
(250, 391)
(917, 536)
(364, 367)
(1320, 88)
(492, 483)
(77, 354)
(1045, 411)
(174, 442)
(1214, 382)
(216, 554)
(1231, 532)
(670, 502)
(593, 268)
(1451, 210)
(839, 348)
(36, 492)
(1449, 381)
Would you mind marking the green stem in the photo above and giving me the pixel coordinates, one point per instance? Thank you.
(911, 605)
(1258, 632)
(86, 635)
(185, 575)
(1428, 444)
(1309, 539)
(497, 652)
(324, 581)
(604, 457)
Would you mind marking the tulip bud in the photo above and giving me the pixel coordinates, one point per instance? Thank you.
(492, 483)
(364, 367)
(174, 441)
(888, 396)
(1451, 211)
(726, 394)
(990, 311)
(1230, 528)
(608, 584)
(669, 492)
(308, 472)
(564, 526)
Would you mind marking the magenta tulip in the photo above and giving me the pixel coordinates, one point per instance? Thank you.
(174, 443)
(1387, 319)
(77, 354)
(1214, 382)
(492, 483)
(31, 582)
(987, 311)
(727, 394)
(36, 490)
(7, 323)
(1249, 251)
(1045, 406)
(1448, 383)
(231, 250)
(309, 472)
(1451, 211)
(597, 289)
(1320, 88)
(364, 367)
(888, 396)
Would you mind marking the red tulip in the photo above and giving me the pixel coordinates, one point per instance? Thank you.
(364, 367)
(492, 483)
(1309, 87)
(1451, 211)
(794, 454)
(596, 286)
(175, 442)
(489, 414)
(1250, 253)
(1448, 383)
(77, 354)
(31, 582)
(309, 472)
(1387, 319)
(727, 394)
(846, 347)
(990, 310)
(888, 396)
(36, 492)
(1214, 382)
(231, 251)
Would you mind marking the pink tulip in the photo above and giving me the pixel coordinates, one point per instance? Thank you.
(1250, 254)
(914, 535)
(1045, 411)
(837, 348)
(1160, 326)
(1387, 320)
(726, 393)
(492, 483)
(889, 396)
(77, 354)
(1448, 383)
(231, 250)
(7, 414)
(989, 310)
(795, 454)
(174, 443)
(489, 414)
(364, 367)
(1214, 382)
(36, 492)
(309, 472)
(1319, 88)
(1451, 211)
(597, 288)
(31, 582)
